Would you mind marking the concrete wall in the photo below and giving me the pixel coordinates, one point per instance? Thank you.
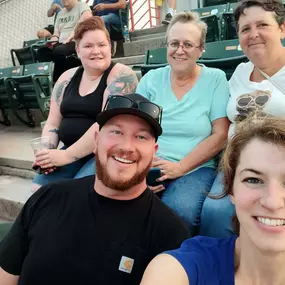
(20, 20)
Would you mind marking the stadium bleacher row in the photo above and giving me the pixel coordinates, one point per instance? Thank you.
(23, 88)
(28, 85)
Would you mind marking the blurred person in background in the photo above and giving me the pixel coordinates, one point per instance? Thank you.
(54, 9)
(62, 46)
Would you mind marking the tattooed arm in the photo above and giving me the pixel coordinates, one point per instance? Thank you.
(121, 81)
(54, 118)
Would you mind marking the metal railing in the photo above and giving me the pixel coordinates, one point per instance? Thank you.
(147, 19)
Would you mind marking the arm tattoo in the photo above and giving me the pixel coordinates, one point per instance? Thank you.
(58, 90)
(55, 131)
(124, 83)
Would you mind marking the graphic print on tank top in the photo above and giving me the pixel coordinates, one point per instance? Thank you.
(254, 102)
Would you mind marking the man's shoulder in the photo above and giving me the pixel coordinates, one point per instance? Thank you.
(70, 187)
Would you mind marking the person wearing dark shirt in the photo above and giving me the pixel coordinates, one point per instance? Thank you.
(78, 96)
(109, 11)
(253, 164)
(99, 230)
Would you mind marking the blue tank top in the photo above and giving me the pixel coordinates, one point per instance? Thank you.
(207, 261)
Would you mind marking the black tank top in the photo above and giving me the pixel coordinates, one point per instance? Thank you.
(80, 112)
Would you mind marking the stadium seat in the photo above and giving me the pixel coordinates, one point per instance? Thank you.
(32, 90)
(23, 55)
(4, 229)
(4, 99)
(211, 16)
(228, 29)
(30, 42)
(217, 2)
(225, 55)
(153, 59)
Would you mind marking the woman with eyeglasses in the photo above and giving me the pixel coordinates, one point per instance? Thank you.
(258, 85)
(195, 125)
(254, 178)
(78, 97)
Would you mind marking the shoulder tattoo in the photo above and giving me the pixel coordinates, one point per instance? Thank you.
(58, 90)
(124, 83)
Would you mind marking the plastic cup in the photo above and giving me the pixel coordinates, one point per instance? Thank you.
(41, 143)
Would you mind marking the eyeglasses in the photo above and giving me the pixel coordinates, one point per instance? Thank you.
(151, 109)
(186, 46)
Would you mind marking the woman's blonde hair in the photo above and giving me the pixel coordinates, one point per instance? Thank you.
(264, 128)
(189, 17)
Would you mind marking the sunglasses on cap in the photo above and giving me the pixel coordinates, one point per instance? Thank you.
(149, 108)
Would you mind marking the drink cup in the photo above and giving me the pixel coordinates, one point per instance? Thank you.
(39, 144)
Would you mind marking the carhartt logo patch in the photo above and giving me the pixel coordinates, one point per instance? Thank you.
(126, 264)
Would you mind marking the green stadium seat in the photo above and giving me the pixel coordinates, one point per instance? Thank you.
(32, 90)
(153, 59)
(212, 10)
(232, 6)
(156, 56)
(226, 55)
(24, 55)
(228, 29)
(30, 42)
(217, 2)
(4, 99)
(211, 16)
(4, 229)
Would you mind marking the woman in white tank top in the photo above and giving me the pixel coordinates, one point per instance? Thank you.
(261, 28)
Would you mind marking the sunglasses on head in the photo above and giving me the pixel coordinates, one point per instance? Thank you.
(151, 109)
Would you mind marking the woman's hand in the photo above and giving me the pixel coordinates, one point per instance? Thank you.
(52, 157)
(169, 169)
(156, 189)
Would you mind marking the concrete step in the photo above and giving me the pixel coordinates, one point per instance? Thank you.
(15, 150)
(14, 192)
(137, 34)
(141, 46)
(130, 60)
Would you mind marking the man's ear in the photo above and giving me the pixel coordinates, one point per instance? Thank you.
(96, 136)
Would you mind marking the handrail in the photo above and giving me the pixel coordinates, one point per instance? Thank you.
(148, 17)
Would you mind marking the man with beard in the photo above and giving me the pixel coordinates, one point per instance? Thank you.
(101, 230)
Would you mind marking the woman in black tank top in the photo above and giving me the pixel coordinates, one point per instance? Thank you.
(78, 97)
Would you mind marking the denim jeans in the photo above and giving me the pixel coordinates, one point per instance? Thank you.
(78, 169)
(185, 195)
(216, 217)
(111, 20)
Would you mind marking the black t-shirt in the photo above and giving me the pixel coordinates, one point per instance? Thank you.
(68, 234)
(79, 112)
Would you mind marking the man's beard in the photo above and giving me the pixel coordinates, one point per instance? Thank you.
(119, 185)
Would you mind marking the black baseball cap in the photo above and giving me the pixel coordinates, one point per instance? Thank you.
(132, 104)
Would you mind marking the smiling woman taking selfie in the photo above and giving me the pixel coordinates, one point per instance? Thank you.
(254, 180)
(258, 85)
